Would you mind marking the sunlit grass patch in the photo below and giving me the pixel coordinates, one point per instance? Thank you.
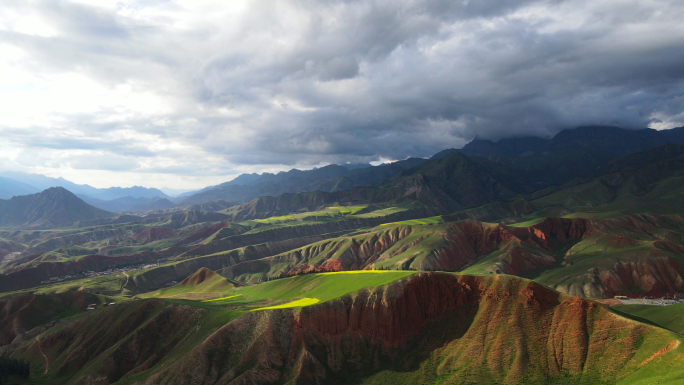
(531, 222)
(223, 298)
(323, 286)
(423, 221)
(298, 303)
(357, 272)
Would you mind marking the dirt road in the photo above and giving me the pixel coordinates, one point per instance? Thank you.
(40, 349)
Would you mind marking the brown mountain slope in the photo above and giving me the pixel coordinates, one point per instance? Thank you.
(23, 313)
(428, 327)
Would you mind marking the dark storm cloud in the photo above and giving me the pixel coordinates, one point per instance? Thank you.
(310, 82)
(506, 79)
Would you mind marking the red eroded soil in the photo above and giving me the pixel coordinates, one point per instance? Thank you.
(154, 234)
(656, 276)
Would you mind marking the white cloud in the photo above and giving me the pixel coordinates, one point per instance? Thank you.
(190, 93)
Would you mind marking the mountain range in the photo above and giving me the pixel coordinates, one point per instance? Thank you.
(541, 162)
(514, 261)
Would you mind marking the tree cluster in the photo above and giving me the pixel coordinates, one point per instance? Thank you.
(13, 367)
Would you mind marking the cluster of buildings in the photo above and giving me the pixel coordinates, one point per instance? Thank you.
(651, 300)
(93, 306)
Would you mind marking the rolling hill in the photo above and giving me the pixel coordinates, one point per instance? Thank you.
(397, 327)
(203, 284)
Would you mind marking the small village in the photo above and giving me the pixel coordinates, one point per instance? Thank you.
(665, 300)
(93, 274)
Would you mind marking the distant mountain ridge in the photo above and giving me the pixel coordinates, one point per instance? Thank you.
(128, 203)
(570, 154)
(458, 182)
(614, 141)
(42, 182)
(54, 207)
(536, 163)
(10, 187)
(331, 178)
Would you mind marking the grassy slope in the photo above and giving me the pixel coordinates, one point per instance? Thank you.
(670, 317)
(209, 286)
(323, 287)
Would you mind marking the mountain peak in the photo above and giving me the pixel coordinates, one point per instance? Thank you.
(52, 207)
(200, 276)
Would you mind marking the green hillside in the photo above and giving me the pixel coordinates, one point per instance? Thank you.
(670, 317)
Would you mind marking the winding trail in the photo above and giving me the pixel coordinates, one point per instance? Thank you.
(125, 283)
(40, 349)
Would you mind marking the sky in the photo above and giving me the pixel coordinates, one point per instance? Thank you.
(185, 94)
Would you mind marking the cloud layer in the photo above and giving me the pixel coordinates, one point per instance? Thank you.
(189, 93)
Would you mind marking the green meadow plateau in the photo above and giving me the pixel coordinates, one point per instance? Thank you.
(521, 261)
